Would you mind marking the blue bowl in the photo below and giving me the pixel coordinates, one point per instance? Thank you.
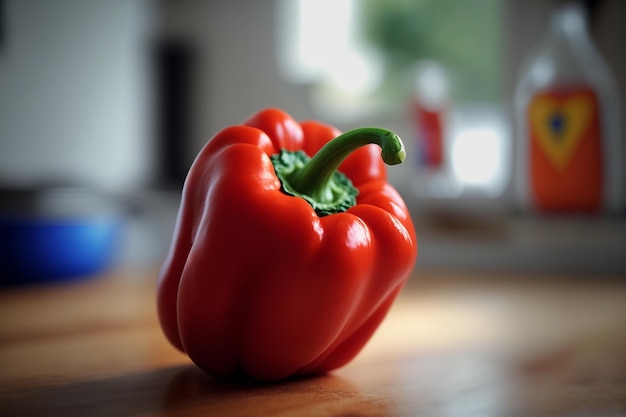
(56, 236)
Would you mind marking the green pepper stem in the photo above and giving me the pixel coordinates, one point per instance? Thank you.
(314, 178)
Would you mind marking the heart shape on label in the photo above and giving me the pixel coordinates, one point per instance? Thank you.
(560, 125)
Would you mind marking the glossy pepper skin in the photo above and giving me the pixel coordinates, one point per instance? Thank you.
(256, 282)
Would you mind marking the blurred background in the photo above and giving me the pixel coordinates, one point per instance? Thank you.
(110, 101)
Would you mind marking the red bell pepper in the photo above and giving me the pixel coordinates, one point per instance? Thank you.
(276, 268)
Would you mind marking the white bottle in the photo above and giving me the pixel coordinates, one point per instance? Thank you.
(568, 131)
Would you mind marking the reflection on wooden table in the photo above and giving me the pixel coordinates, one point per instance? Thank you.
(453, 345)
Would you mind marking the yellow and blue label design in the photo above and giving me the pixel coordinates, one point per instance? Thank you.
(565, 150)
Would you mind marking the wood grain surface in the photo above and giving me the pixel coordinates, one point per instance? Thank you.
(454, 344)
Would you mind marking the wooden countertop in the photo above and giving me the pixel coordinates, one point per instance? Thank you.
(453, 345)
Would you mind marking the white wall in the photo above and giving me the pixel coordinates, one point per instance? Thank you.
(74, 92)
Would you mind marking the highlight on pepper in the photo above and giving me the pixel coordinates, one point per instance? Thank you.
(290, 248)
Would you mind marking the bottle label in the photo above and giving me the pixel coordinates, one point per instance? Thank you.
(565, 158)
(430, 137)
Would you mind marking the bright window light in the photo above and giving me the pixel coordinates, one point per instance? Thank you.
(475, 156)
(479, 153)
(312, 35)
(318, 43)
